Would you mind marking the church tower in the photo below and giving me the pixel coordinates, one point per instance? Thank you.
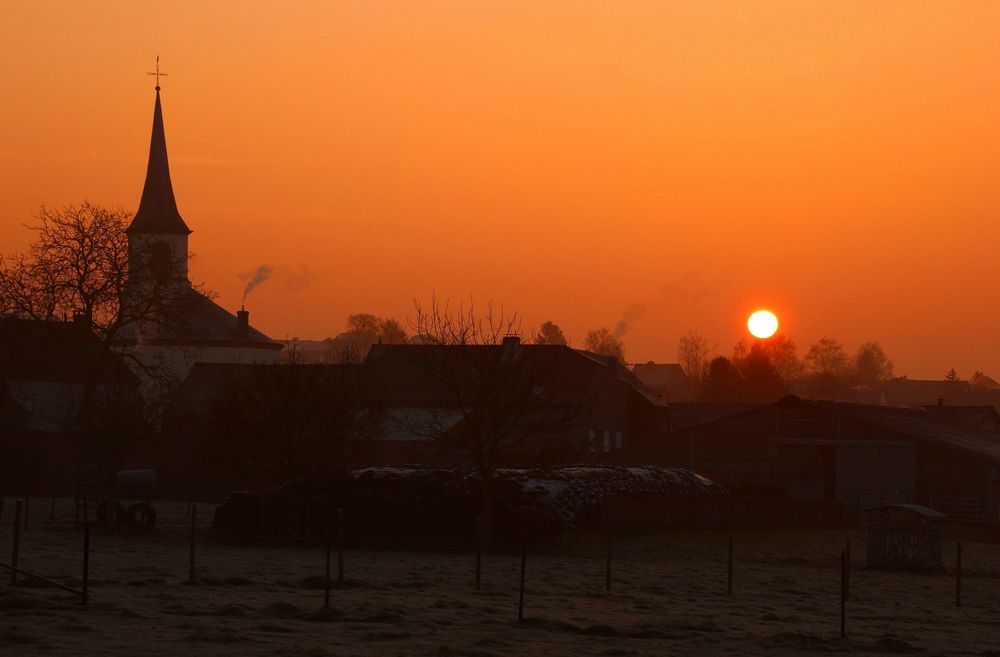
(158, 236)
(175, 325)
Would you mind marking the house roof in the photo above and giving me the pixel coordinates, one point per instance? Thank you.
(403, 374)
(667, 380)
(914, 392)
(158, 212)
(58, 352)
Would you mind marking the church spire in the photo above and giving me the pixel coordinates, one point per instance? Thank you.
(158, 210)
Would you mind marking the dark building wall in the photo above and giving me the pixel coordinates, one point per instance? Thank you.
(946, 473)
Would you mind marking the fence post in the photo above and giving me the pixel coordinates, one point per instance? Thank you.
(52, 512)
(27, 500)
(2, 494)
(607, 575)
(340, 546)
(843, 593)
(958, 574)
(479, 551)
(729, 575)
(524, 559)
(329, 548)
(847, 572)
(86, 564)
(15, 548)
(194, 522)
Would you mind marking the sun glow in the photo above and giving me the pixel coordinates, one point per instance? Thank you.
(762, 324)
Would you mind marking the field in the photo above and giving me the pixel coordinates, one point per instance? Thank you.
(668, 596)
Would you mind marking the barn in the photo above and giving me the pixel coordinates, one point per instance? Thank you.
(856, 454)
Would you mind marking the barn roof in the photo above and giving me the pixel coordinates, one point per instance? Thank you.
(915, 423)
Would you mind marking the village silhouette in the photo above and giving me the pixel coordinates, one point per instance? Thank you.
(457, 483)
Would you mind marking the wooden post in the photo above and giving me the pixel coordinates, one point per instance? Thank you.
(2, 494)
(958, 574)
(479, 551)
(524, 561)
(16, 547)
(27, 500)
(86, 564)
(329, 548)
(729, 574)
(843, 593)
(847, 573)
(194, 522)
(340, 546)
(607, 574)
(52, 512)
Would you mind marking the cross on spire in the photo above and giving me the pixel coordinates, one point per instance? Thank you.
(157, 73)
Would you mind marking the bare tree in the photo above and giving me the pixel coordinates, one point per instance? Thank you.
(604, 342)
(693, 354)
(78, 267)
(500, 401)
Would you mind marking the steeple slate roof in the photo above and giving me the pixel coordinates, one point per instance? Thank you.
(158, 210)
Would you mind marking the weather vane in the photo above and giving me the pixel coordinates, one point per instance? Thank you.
(157, 73)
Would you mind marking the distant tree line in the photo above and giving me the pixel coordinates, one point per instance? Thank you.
(767, 369)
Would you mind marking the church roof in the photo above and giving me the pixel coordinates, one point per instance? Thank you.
(196, 320)
(158, 209)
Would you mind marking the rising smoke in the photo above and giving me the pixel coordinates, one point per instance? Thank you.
(262, 274)
(632, 313)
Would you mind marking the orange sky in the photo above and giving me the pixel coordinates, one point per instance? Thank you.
(837, 162)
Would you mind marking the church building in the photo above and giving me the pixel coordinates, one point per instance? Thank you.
(170, 324)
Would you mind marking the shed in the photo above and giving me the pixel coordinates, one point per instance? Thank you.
(905, 536)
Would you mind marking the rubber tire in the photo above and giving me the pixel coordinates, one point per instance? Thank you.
(141, 516)
(110, 513)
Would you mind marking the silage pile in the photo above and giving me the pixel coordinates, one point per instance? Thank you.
(392, 500)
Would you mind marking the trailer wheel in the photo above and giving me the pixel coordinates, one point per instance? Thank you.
(141, 516)
(110, 513)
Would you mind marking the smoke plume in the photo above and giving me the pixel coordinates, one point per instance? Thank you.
(262, 274)
(632, 313)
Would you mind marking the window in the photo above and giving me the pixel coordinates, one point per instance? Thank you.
(607, 441)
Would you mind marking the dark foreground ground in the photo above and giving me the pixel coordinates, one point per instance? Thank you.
(668, 597)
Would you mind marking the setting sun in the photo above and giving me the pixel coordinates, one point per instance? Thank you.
(762, 324)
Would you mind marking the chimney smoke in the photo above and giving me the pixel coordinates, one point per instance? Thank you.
(259, 276)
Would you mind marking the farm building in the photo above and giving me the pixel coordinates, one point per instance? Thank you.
(848, 452)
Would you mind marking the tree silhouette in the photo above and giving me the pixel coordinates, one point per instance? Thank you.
(692, 354)
(871, 364)
(604, 342)
(550, 333)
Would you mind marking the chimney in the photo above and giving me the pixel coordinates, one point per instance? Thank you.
(511, 340)
(82, 320)
(243, 324)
